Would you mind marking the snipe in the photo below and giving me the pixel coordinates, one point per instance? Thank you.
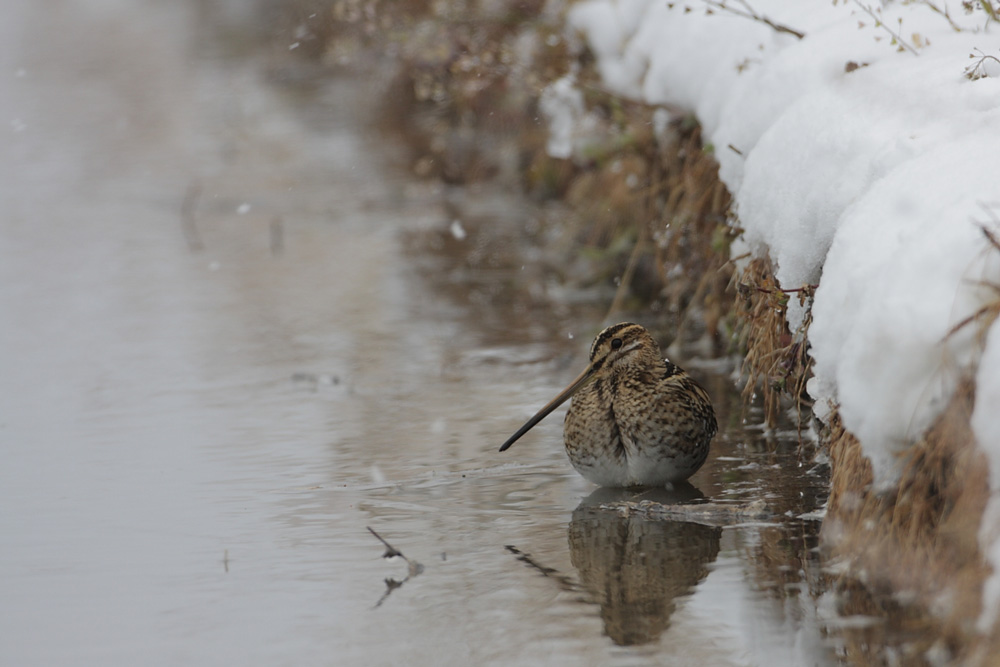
(636, 419)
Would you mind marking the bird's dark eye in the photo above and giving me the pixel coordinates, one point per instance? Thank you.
(616, 343)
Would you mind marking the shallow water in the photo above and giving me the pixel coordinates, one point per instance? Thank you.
(227, 352)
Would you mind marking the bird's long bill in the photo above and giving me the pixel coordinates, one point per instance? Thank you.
(550, 406)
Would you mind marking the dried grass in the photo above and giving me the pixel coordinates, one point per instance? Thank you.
(692, 233)
(776, 362)
(906, 635)
(654, 210)
(920, 537)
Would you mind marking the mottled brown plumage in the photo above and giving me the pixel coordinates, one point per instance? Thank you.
(636, 419)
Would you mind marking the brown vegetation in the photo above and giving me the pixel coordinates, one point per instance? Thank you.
(776, 361)
(918, 538)
(649, 211)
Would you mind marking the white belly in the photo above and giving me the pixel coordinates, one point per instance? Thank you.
(639, 466)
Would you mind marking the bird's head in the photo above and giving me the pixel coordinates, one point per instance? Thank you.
(621, 346)
(618, 347)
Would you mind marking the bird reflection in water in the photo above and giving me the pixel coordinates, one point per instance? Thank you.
(636, 567)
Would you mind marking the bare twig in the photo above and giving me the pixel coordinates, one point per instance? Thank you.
(991, 237)
(390, 551)
(897, 39)
(805, 292)
(988, 313)
(989, 309)
(747, 11)
(943, 12)
(733, 260)
(990, 10)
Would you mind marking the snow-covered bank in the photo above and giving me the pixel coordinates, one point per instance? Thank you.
(857, 163)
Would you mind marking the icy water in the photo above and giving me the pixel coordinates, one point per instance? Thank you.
(227, 352)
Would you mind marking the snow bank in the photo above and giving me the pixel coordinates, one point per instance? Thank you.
(867, 170)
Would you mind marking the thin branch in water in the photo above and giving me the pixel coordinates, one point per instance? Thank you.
(413, 567)
(390, 551)
(390, 585)
(566, 583)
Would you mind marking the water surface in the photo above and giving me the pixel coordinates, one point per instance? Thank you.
(225, 352)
